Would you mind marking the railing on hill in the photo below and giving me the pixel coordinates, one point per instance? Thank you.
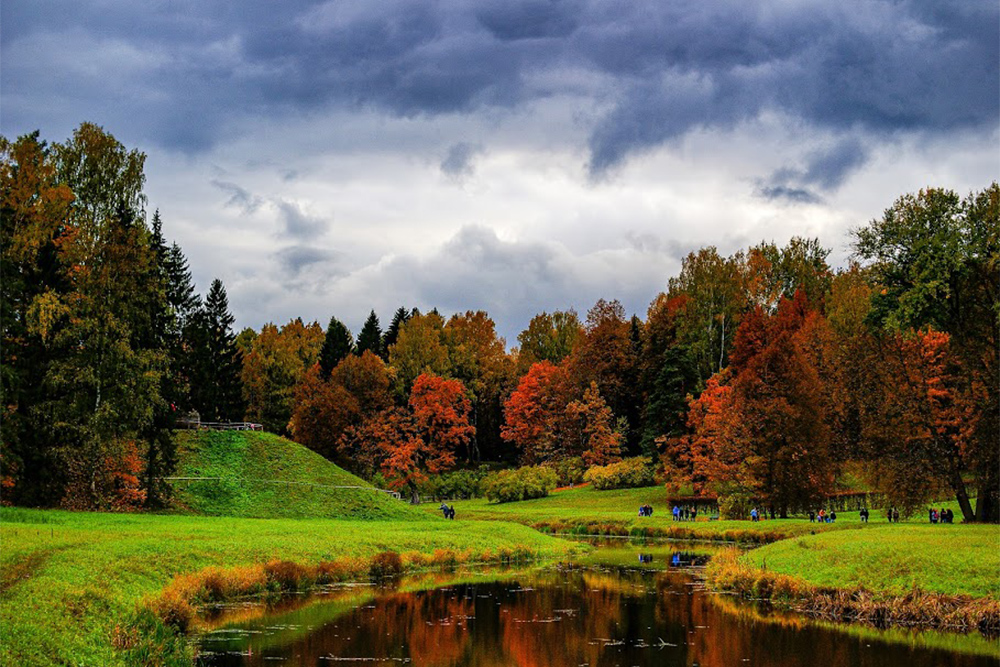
(279, 482)
(186, 422)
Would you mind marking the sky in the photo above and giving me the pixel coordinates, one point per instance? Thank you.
(330, 158)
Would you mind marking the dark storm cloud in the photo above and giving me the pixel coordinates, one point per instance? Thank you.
(828, 169)
(188, 71)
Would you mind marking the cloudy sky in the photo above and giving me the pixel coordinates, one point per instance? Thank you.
(333, 157)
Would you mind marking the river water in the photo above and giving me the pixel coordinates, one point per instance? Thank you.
(638, 605)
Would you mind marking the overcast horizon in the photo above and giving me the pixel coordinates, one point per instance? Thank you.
(330, 158)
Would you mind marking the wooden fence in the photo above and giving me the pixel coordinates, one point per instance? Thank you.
(218, 426)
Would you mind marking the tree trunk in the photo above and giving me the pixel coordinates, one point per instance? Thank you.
(988, 504)
(414, 496)
(958, 486)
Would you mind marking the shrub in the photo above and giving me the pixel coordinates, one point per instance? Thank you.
(456, 485)
(735, 506)
(521, 484)
(569, 471)
(386, 564)
(627, 474)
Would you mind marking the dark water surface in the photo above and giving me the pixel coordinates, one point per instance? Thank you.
(598, 616)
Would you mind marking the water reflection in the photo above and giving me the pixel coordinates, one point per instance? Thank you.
(555, 618)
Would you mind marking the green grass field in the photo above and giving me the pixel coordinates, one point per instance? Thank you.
(948, 559)
(68, 579)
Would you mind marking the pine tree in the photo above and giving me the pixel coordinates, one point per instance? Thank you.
(338, 344)
(392, 333)
(370, 338)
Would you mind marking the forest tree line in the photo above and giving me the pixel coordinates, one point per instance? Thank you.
(763, 374)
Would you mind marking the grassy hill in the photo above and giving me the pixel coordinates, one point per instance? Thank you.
(261, 475)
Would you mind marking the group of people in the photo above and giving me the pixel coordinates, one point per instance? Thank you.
(685, 514)
(892, 514)
(944, 516)
(646, 510)
(822, 516)
(448, 510)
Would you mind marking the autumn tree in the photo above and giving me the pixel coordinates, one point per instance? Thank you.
(478, 358)
(367, 379)
(549, 338)
(419, 348)
(409, 444)
(593, 430)
(276, 362)
(770, 438)
(535, 414)
(608, 354)
(934, 261)
(323, 412)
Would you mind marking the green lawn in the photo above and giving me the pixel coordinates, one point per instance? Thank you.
(948, 559)
(68, 579)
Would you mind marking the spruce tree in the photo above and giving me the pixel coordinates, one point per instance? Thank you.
(392, 333)
(216, 388)
(338, 344)
(370, 338)
(666, 407)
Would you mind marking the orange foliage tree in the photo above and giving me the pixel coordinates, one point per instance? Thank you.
(323, 412)
(598, 441)
(407, 445)
(534, 413)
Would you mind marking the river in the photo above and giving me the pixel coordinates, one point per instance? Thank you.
(625, 606)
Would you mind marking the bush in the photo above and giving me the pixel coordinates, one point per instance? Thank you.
(569, 471)
(456, 485)
(627, 474)
(735, 506)
(521, 484)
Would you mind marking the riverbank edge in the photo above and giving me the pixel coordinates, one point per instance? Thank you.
(585, 528)
(157, 634)
(727, 573)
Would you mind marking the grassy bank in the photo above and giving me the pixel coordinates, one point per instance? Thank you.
(261, 475)
(72, 581)
(937, 576)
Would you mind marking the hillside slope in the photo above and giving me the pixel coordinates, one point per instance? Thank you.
(262, 476)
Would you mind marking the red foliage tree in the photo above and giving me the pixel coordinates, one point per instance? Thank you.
(535, 412)
(408, 444)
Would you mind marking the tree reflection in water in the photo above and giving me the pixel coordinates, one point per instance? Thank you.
(568, 618)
